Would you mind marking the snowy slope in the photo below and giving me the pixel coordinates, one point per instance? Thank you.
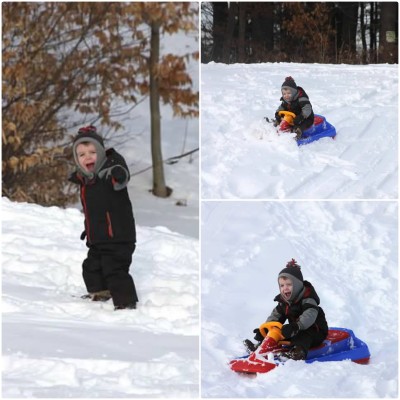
(348, 250)
(242, 157)
(58, 345)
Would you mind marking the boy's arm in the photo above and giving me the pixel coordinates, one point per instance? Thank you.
(117, 172)
(276, 315)
(306, 110)
(309, 315)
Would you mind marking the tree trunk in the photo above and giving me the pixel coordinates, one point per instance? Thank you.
(242, 33)
(220, 13)
(373, 29)
(349, 25)
(262, 17)
(229, 34)
(388, 42)
(363, 37)
(159, 187)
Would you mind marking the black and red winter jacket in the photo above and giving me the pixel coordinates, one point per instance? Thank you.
(107, 207)
(293, 310)
(300, 105)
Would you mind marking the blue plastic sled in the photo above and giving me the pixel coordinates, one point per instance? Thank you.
(341, 344)
(321, 128)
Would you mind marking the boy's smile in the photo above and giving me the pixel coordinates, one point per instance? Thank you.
(87, 156)
(286, 288)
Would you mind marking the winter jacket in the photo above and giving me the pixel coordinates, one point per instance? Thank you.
(304, 310)
(299, 105)
(106, 204)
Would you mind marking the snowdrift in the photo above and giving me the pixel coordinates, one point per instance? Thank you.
(58, 345)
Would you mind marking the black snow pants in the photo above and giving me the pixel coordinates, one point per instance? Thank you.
(308, 338)
(107, 267)
(307, 123)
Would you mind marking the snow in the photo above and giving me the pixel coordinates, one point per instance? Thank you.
(348, 250)
(244, 158)
(57, 345)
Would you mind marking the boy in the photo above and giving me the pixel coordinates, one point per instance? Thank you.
(109, 223)
(295, 99)
(298, 303)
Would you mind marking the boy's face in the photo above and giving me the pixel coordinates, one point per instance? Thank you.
(87, 156)
(286, 287)
(286, 94)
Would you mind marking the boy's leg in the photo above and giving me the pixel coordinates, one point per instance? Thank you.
(115, 262)
(307, 123)
(92, 272)
(308, 338)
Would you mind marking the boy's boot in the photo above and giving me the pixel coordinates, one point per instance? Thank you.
(297, 353)
(102, 295)
(250, 346)
(130, 306)
(298, 133)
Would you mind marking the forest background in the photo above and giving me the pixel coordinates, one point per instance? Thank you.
(304, 32)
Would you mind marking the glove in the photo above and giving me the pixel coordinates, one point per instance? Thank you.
(83, 235)
(259, 337)
(116, 173)
(298, 120)
(290, 330)
(278, 117)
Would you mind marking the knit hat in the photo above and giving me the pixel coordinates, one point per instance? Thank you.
(290, 84)
(292, 271)
(88, 134)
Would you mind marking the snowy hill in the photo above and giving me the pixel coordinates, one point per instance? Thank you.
(348, 250)
(243, 158)
(58, 345)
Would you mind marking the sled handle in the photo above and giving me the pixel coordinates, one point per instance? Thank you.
(271, 325)
(288, 116)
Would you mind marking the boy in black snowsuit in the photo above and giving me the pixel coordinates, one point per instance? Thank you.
(109, 223)
(298, 303)
(295, 99)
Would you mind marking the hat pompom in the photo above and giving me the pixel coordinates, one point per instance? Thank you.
(289, 82)
(293, 263)
(88, 129)
(292, 269)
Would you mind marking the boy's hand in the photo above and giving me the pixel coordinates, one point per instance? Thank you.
(298, 120)
(118, 173)
(259, 337)
(290, 330)
(278, 117)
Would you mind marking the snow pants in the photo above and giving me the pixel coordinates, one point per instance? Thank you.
(308, 338)
(307, 123)
(107, 267)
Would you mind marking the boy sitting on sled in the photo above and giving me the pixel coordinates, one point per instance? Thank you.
(295, 99)
(298, 303)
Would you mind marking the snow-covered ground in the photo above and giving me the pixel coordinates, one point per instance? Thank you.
(348, 250)
(58, 345)
(243, 158)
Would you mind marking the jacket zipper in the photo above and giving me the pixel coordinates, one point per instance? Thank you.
(109, 225)
(87, 222)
